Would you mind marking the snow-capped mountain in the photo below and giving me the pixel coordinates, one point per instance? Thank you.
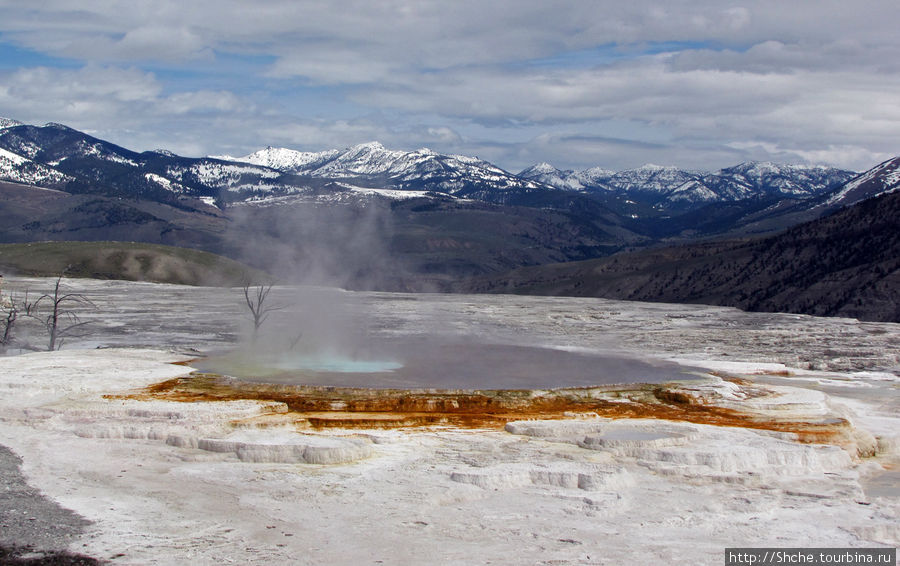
(550, 175)
(57, 156)
(645, 179)
(9, 123)
(656, 184)
(371, 164)
(762, 178)
(650, 179)
(801, 180)
(596, 177)
(881, 179)
(285, 159)
(26, 171)
(754, 179)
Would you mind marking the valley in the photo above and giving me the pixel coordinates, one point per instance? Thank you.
(369, 217)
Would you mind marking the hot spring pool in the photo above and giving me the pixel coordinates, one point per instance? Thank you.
(435, 364)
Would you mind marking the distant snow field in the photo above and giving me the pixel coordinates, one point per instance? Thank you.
(243, 481)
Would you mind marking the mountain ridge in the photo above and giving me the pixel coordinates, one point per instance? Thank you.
(653, 202)
(881, 179)
(283, 171)
(673, 185)
(371, 162)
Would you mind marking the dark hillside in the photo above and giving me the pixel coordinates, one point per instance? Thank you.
(129, 261)
(847, 264)
(34, 214)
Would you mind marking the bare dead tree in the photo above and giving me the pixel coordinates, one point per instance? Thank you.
(257, 302)
(11, 309)
(61, 321)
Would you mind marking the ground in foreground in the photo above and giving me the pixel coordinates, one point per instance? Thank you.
(252, 480)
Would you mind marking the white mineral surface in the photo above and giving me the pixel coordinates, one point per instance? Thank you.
(181, 483)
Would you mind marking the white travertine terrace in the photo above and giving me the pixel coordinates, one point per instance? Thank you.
(201, 483)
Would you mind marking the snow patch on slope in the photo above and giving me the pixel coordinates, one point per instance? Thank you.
(285, 159)
(19, 169)
(883, 178)
(9, 123)
(165, 183)
(97, 150)
(13, 157)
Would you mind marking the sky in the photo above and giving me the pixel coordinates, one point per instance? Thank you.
(699, 84)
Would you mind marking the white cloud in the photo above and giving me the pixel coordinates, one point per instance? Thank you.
(423, 34)
(163, 42)
(648, 90)
(81, 95)
(848, 157)
(204, 102)
(724, 79)
(331, 65)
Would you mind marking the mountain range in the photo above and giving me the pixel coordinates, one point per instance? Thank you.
(56, 156)
(666, 187)
(670, 186)
(373, 217)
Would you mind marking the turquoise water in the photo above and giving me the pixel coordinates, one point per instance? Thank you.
(333, 364)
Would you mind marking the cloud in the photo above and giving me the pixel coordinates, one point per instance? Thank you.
(95, 94)
(698, 102)
(318, 134)
(331, 65)
(718, 78)
(36, 90)
(163, 42)
(423, 34)
(841, 156)
(128, 106)
(205, 102)
(774, 56)
(574, 150)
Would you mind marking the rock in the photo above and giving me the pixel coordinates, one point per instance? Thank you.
(266, 447)
(570, 476)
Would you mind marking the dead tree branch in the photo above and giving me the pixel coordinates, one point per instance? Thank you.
(256, 299)
(61, 320)
(11, 309)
